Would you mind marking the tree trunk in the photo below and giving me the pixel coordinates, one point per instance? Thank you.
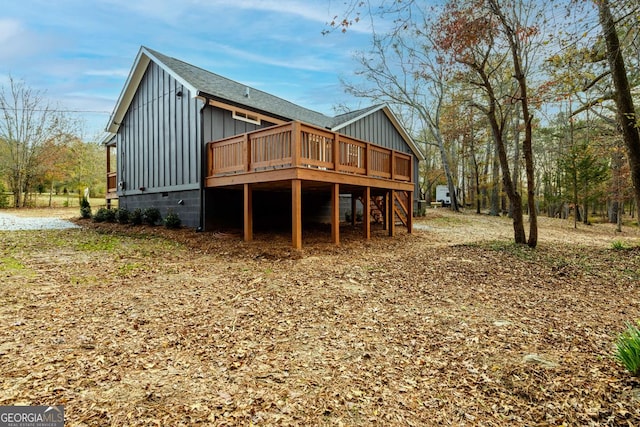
(514, 197)
(447, 168)
(624, 101)
(516, 51)
(476, 171)
(516, 152)
(494, 209)
(447, 171)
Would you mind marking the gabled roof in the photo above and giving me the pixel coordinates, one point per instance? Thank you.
(204, 83)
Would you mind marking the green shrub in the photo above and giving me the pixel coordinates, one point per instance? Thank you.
(628, 349)
(172, 220)
(122, 215)
(85, 208)
(4, 198)
(151, 216)
(102, 215)
(136, 216)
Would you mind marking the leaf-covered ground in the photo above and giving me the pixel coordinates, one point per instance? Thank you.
(452, 325)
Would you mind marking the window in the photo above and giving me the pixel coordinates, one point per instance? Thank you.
(246, 117)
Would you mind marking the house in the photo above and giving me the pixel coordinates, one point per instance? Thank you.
(219, 153)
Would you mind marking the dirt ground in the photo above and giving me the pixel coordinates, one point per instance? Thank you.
(451, 325)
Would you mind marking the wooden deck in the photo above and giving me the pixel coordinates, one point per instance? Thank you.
(293, 153)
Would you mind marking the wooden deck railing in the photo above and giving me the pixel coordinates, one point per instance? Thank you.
(297, 144)
(112, 185)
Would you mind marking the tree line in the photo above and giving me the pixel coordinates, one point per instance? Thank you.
(527, 107)
(40, 151)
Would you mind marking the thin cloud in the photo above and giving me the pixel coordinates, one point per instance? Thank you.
(320, 12)
(119, 72)
(307, 63)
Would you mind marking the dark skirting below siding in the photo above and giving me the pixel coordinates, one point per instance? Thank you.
(184, 203)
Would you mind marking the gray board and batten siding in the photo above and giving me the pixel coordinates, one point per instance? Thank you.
(159, 161)
(377, 128)
(155, 141)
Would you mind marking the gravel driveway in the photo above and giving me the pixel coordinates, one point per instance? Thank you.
(9, 222)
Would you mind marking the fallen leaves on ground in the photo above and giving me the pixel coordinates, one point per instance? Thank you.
(451, 325)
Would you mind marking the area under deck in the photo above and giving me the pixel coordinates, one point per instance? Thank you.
(296, 156)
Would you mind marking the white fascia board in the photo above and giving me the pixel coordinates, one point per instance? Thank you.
(192, 89)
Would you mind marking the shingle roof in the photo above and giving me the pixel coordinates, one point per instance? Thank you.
(342, 119)
(226, 89)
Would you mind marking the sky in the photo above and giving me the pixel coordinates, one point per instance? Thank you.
(78, 53)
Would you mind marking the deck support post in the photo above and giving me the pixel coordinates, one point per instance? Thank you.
(410, 212)
(248, 213)
(366, 212)
(385, 212)
(391, 215)
(296, 213)
(335, 213)
(354, 208)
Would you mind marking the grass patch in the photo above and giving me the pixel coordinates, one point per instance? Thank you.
(99, 242)
(83, 280)
(10, 264)
(128, 268)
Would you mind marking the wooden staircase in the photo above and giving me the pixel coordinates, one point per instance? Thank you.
(400, 208)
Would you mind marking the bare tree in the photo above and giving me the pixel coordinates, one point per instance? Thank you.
(27, 122)
(404, 71)
(512, 19)
(482, 35)
(627, 119)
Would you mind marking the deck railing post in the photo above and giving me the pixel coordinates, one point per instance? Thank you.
(295, 144)
(246, 152)
(392, 167)
(411, 169)
(336, 151)
(367, 159)
(210, 159)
